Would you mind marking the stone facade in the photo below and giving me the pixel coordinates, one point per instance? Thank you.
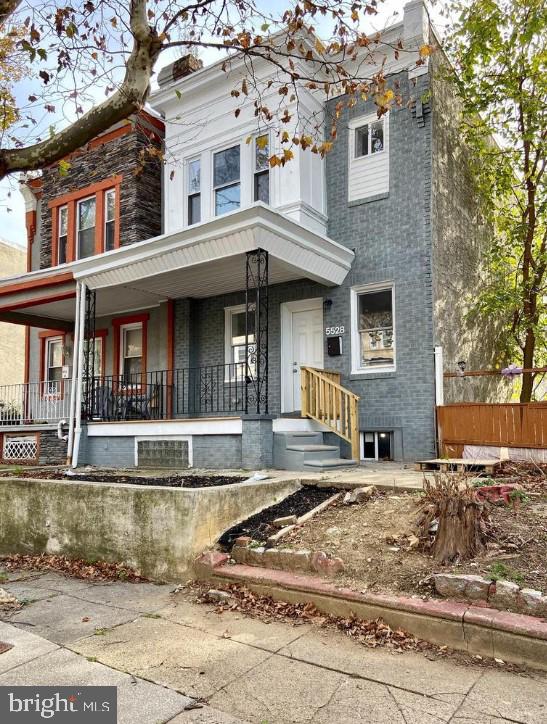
(140, 191)
(52, 450)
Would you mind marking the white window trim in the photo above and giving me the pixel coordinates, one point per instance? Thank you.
(225, 147)
(78, 203)
(123, 329)
(356, 123)
(254, 169)
(62, 208)
(186, 181)
(356, 368)
(228, 314)
(106, 220)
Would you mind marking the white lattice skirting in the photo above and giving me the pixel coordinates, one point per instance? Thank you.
(22, 447)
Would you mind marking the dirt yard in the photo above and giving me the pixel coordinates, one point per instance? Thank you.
(372, 538)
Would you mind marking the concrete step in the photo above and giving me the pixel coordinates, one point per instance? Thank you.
(329, 463)
(282, 439)
(313, 448)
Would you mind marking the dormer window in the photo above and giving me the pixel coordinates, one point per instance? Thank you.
(369, 138)
(226, 180)
(62, 237)
(262, 169)
(194, 191)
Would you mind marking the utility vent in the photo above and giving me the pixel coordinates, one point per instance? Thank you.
(20, 447)
(162, 454)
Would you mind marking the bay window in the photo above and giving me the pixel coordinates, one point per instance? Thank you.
(194, 191)
(262, 169)
(226, 180)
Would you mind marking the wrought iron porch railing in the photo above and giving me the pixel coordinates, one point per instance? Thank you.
(46, 402)
(164, 394)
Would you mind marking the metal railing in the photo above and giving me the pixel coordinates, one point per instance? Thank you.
(156, 395)
(165, 394)
(46, 402)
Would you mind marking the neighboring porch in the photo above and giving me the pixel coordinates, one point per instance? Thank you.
(187, 326)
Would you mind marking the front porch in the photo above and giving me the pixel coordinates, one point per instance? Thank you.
(186, 326)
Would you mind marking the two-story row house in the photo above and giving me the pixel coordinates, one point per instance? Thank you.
(212, 311)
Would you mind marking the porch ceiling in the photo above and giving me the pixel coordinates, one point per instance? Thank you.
(209, 258)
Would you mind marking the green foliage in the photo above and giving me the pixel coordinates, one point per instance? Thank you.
(499, 571)
(499, 49)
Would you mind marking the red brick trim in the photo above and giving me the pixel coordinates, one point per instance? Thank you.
(111, 135)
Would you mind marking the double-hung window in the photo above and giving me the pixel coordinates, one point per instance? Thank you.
(54, 359)
(262, 169)
(373, 329)
(226, 180)
(235, 342)
(194, 191)
(62, 234)
(369, 138)
(109, 219)
(86, 227)
(131, 352)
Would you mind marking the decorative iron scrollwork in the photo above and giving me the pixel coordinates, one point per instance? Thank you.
(256, 353)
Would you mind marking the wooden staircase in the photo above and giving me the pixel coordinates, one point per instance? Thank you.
(325, 400)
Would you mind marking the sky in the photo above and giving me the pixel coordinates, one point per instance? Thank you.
(12, 221)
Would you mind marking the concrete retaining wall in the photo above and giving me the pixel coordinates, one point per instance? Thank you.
(157, 530)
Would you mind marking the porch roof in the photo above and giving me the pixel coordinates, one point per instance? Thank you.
(198, 261)
(207, 259)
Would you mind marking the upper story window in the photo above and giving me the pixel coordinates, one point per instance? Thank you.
(62, 234)
(226, 180)
(86, 227)
(373, 329)
(369, 138)
(109, 219)
(262, 169)
(86, 222)
(194, 191)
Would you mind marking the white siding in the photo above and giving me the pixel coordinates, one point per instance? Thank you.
(369, 175)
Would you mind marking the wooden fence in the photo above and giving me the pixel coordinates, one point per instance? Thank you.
(498, 425)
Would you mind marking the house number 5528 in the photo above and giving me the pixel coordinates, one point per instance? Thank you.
(335, 330)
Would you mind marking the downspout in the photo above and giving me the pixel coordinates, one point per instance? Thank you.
(72, 412)
(78, 411)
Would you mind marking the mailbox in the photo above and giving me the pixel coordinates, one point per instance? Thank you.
(334, 346)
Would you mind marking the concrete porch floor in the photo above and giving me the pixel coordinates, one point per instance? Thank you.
(163, 652)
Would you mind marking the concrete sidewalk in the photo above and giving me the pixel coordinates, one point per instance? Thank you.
(164, 652)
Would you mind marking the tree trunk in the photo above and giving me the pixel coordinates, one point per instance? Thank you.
(527, 363)
(459, 535)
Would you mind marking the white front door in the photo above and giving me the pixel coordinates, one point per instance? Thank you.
(301, 345)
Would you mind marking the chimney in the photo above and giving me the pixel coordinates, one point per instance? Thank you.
(179, 69)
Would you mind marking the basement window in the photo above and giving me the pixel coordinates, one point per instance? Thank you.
(376, 445)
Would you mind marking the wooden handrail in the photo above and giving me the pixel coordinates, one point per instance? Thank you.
(324, 399)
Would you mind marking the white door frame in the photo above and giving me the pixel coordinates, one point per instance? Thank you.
(287, 309)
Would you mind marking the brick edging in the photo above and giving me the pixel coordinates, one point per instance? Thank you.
(488, 632)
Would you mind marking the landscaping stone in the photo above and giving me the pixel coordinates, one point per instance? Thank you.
(243, 540)
(295, 560)
(221, 596)
(462, 586)
(213, 559)
(7, 601)
(358, 495)
(324, 565)
(529, 600)
(285, 521)
(254, 556)
(504, 595)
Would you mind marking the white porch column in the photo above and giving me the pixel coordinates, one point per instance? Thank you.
(75, 352)
(79, 376)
